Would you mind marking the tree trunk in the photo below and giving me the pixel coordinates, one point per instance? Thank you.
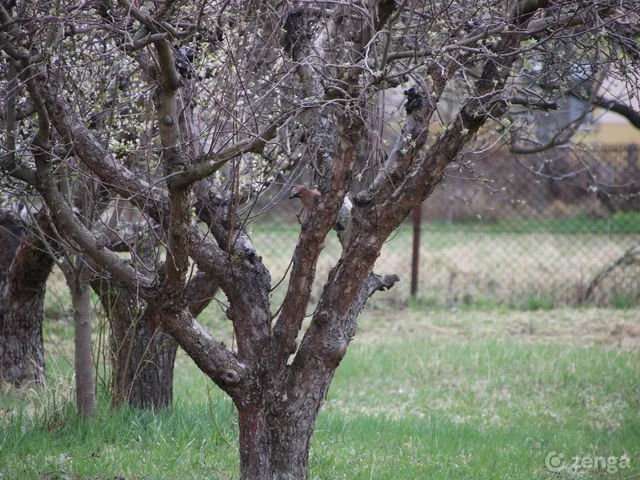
(144, 358)
(22, 289)
(85, 382)
(276, 432)
(142, 355)
(275, 440)
(21, 347)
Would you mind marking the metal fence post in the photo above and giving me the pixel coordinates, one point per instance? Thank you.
(415, 255)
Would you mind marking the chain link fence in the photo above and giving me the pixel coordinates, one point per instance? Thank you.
(532, 232)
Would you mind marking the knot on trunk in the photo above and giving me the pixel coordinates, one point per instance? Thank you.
(231, 377)
(335, 353)
(363, 198)
(322, 318)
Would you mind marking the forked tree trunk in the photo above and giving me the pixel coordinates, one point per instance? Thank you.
(22, 290)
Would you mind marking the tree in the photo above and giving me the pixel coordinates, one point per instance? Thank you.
(244, 93)
(77, 273)
(25, 265)
(142, 354)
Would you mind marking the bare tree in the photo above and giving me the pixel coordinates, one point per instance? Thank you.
(244, 93)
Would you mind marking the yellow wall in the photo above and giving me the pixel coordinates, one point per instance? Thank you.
(614, 134)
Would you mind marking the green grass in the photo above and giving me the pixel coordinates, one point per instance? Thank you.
(618, 223)
(423, 393)
(56, 444)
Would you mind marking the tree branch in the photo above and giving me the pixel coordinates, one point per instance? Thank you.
(174, 161)
(245, 280)
(62, 211)
(312, 238)
(325, 343)
(9, 162)
(613, 105)
(208, 164)
(199, 292)
(529, 102)
(153, 25)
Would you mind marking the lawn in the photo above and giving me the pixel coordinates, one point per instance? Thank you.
(424, 392)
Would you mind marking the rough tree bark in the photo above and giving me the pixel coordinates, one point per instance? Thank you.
(22, 290)
(142, 355)
(276, 427)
